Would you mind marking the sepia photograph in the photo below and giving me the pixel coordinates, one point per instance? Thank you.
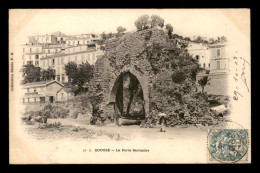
(131, 86)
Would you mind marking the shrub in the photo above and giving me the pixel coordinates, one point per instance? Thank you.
(178, 77)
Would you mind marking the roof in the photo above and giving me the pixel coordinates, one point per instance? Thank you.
(68, 90)
(43, 35)
(58, 34)
(41, 83)
(32, 45)
(61, 55)
(219, 44)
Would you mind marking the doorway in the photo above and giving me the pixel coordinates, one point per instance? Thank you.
(51, 99)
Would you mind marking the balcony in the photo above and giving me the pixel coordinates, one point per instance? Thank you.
(31, 93)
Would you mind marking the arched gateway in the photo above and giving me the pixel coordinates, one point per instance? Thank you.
(125, 74)
(129, 96)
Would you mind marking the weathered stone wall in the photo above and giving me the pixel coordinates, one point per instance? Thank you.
(126, 54)
(167, 75)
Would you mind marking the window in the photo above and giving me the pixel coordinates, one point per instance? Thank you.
(29, 62)
(204, 65)
(36, 56)
(63, 78)
(23, 49)
(197, 57)
(218, 52)
(218, 65)
(36, 62)
(35, 99)
(209, 65)
(28, 90)
(30, 49)
(29, 57)
(28, 100)
(23, 100)
(53, 61)
(49, 51)
(34, 89)
(58, 78)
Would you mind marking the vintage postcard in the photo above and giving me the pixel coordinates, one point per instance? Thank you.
(107, 86)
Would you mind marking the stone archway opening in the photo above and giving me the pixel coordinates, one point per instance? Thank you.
(128, 98)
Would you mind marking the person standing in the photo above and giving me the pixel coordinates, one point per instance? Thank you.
(162, 121)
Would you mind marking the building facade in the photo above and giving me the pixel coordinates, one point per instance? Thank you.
(32, 54)
(59, 61)
(201, 53)
(64, 94)
(219, 58)
(40, 92)
(51, 39)
(57, 49)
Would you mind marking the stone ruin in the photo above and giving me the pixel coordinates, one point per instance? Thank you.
(144, 73)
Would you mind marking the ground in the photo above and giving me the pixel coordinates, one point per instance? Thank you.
(86, 131)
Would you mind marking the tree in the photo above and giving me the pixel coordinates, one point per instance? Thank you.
(120, 29)
(103, 36)
(198, 39)
(71, 71)
(142, 22)
(109, 35)
(157, 21)
(187, 38)
(146, 22)
(84, 74)
(169, 29)
(223, 38)
(31, 73)
(211, 40)
(175, 36)
(48, 74)
(203, 82)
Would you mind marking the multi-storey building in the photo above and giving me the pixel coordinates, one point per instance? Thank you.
(32, 54)
(219, 58)
(78, 55)
(51, 49)
(40, 39)
(47, 51)
(201, 53)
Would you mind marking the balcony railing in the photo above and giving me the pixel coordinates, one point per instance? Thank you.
(31, 93)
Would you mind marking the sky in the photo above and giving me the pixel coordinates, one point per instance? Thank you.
(186, 22)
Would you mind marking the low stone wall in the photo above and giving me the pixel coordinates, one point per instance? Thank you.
(218, 83)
